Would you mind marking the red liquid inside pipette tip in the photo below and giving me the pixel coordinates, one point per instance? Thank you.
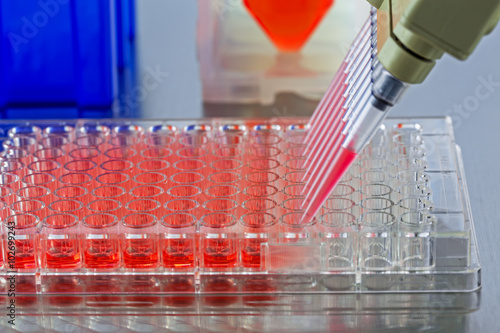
(343, 161)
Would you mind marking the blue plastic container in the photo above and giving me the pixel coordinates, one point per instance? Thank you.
(64, 58)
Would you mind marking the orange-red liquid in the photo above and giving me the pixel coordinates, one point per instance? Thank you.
(62, 254)
(140, 253)
(178, 253)
(25, 254)
(101, 253)
(288, 23)
(220, 253)
(250, 254)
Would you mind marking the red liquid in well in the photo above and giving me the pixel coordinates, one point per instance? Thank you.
(178, 253)
(250, 254)
(63, 253)
(101, 253)
(140, 253)
(219, 253)
(288, 23)
(25, 254)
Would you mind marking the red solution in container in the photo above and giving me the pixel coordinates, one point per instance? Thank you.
(101, 244)
(101, 253)
(219, 249)
(140, 246)
(219, 253)
(140, 253)
(178, 253)
(62, 253)
(288, 23)
(250, 254)
(25, 254)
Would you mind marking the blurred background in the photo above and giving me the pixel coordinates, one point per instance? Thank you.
(188, 58)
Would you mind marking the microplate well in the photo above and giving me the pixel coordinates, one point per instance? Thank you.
(202, 216)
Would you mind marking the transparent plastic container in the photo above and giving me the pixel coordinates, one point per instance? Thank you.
(240, 64)
(65, 59)
(203, 217)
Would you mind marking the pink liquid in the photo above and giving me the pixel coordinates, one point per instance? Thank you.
(319, 113)
(314, 203)
(333, 111)
(327, 138)
(316, 171)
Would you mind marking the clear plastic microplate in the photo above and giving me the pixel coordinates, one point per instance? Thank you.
(202, 217)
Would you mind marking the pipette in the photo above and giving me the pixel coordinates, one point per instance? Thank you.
(388, 55)
(339, 132)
